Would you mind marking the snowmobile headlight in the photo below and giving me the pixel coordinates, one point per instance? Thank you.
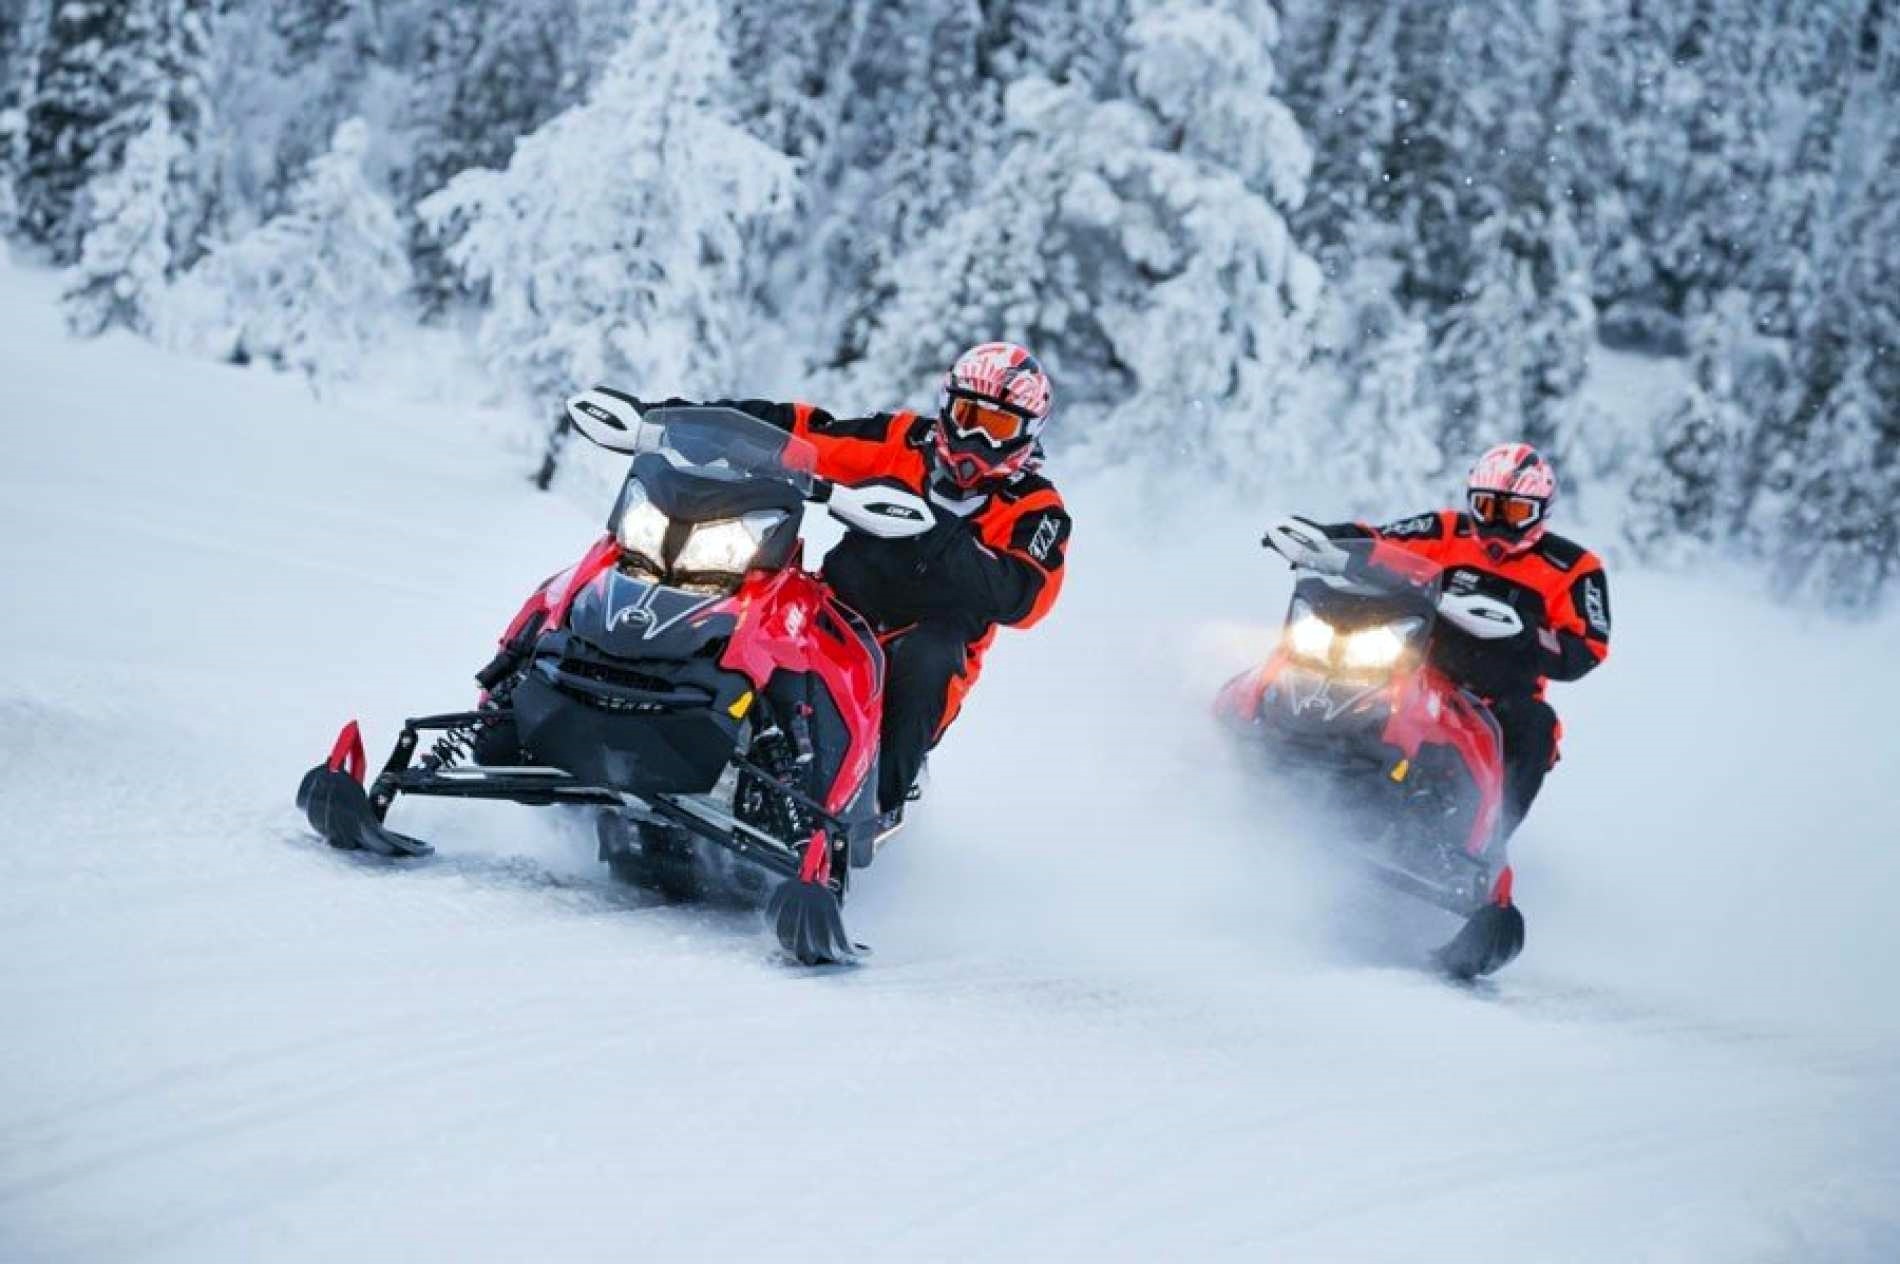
(1310, 636)
(726, 547)
(1373, 649)
(642, 532)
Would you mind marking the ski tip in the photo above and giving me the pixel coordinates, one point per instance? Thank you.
(339, 810)
(1489, 940)
(347, 754)
(809, 924)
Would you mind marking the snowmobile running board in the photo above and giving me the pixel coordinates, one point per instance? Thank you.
(804, 909)
(1493, 933)
(1409, 883)
(338, 807)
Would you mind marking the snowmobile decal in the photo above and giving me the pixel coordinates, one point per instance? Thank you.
(654, 609)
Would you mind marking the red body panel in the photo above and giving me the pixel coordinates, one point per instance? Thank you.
(790, 621)
(552, 599)
(1429, 710)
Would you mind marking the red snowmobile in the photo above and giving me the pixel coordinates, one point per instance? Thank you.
(1412, 763)
(688, 678)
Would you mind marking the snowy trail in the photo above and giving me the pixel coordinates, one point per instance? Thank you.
(1113, 1013)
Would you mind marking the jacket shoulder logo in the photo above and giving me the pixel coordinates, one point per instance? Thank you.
(1596, 605)
(1422, 525)
(1048, 534)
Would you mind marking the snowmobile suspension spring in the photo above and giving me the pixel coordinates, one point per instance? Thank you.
(451, 748)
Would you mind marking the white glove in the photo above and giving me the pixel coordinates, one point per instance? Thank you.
(613, 421)
(1304, 544)
(1486, 618)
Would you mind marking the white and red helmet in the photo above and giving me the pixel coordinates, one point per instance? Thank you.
(990, 413)
(1509, 494)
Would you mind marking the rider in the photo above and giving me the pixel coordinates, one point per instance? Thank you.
(994, 556)
(1501, 544)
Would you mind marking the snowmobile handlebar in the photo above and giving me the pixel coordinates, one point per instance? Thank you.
(616, 422)
(882, 509)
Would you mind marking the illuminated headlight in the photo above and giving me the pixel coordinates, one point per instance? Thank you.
(1310, 636)
(642, 531)
(1372, 649)
(728, 546)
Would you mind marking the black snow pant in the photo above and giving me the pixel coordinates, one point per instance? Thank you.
(925, 670)
(1530, 747)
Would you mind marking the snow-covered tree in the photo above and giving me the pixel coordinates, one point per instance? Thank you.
(614, 246)
(489, 74)
(1139, 245)
(1840, 532)
(914, 129)
(1481, 357)
(23, 25)
(105, 68)
(125, 255)
(315, 287)
(790, 62)
(1684, 503)
(1382, 419)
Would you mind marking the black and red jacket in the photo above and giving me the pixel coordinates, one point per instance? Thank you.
(994, 558)
(1556, 586)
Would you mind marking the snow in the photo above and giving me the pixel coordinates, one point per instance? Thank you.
(1117, 1011)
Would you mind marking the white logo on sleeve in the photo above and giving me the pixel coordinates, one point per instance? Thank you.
(1048, 532)
(1596, 606)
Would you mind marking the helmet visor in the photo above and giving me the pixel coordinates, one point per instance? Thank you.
(1501, 509)
(978, 419)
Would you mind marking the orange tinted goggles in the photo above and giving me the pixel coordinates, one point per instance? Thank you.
(1500, 509)
(972, 419)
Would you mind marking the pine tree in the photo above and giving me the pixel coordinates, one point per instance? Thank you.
(1343, 83)
(615, 245)
(490, 73)
(23, 25)
(1481, 359)
(1683, 503)
(315, 287)
(126, 256)
(915, 129)
(326, 50)
(790, 62)
(105, 68)
(1139, 245)
(1831, 477)
(1840, 536)
(1384, 417)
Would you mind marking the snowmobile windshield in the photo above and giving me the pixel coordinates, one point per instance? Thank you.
(1381, 583)
(724, 443)
(1368, 621)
